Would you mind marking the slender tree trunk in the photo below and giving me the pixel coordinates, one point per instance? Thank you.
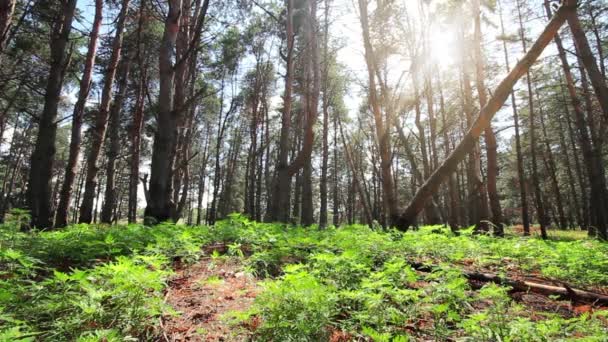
(525, 216)
(550, 166)
(478, 201)
(101, 119)
(135, 138)
(41, 165)
(137, 123)
(540, 208)
(280, 197)
(432, 184)
(202, 179)
(61, 217)
(572, 137)
(356, 183)
(335, 185)
(574, 198)
(382, 127)
(490, 138)
(453, 216)
(113, 149)
(325, 154)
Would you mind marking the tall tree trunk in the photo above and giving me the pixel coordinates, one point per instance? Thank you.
(491, 153)
(478, 201)
(453, 213)
(113, 148)
(161, 206)
(356, 182)
(65, 196)
(525, 216)
(101, 119)
(573, 196)
(282, 184)
(382, 127)
(550, 166)
(135, 139)
(138, 119)
(202, 179)
(335, 199)
(572, 138)
(538, 197)
(432, 184)
(325, 153)
(41, 165)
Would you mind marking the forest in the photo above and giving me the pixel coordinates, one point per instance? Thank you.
(303, 170)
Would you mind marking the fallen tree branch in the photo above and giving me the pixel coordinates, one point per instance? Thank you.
(565, 291)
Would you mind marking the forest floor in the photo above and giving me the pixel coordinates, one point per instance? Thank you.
(202, 294)
(241, 280)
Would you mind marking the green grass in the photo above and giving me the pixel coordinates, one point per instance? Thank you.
(96, 282)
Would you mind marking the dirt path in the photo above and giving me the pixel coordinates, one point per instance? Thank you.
(202, 295)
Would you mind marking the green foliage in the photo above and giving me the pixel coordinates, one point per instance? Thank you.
(88, 282)
(97, 282)
(297, 307)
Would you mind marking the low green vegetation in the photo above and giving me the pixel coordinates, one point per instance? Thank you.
(106, 283)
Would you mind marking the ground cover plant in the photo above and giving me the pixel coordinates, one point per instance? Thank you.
(97, 282)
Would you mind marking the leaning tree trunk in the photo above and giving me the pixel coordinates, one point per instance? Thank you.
(432, 184)
(595, 171)
(101, 120)
(586, 54)
(65, 196)
(41, 165)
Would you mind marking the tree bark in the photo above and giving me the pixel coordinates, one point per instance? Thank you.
(426, 191)
(325, 153)
(356, 180)
(101, 119)
(598, 198)
(551, 169)
(282, 184)
(7, 8)
(113, 148)
(588, 58)
(41, 165)
(382, 127)
(161, 206)
(525, 216)
(538, 197)
(61, 218)
(490, 137)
